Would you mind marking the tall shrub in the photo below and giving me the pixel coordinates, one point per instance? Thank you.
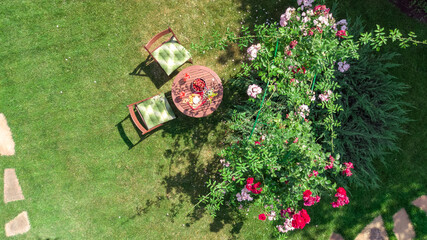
(373, 116)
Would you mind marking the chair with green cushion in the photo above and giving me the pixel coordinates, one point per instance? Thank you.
(154, 111)
(170, 55)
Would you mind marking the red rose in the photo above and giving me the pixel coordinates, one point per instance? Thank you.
(319, 7)
(341, 201)
(341, 33)
(298, 221)
(341, 191)
(256, 191)
(305, 215)
(262, 217)
(257, 143)
(307, 193)
(349, 165)
(254, 188)
(250, 180)
(347, 172)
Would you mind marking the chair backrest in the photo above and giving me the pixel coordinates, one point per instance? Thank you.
(157, 37)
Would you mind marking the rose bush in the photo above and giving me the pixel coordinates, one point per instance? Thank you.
(282, 154)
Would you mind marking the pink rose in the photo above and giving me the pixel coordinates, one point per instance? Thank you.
(254, 90)
(253, 51)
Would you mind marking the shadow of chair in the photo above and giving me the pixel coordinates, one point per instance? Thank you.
(149, 68)
(124, 136)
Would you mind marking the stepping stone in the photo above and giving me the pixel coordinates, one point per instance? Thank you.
(7, 145)
(403, 228)
(421, 202)
(12, 190)
(19, 225)
(373, 231)
(336, 236)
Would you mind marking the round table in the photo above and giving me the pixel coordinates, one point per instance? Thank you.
(180, 85)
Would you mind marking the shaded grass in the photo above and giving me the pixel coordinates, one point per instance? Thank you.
(80, 180)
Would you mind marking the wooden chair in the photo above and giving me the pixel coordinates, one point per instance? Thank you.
(154, 111)
(170, 55)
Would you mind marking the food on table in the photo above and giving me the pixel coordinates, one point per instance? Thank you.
(198, 85)
(186, 77)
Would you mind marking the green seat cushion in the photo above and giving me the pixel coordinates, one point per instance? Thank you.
(171, 55)
(156, 110)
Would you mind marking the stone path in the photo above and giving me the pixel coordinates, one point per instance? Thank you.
(18, 225)
(7, 145)
(12, 190)
(421, 202)
(403, 228)
(374, 231)
(336, 236)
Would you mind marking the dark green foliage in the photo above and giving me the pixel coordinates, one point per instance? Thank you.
(373, 116)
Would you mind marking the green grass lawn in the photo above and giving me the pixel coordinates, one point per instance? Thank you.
(66, 76)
